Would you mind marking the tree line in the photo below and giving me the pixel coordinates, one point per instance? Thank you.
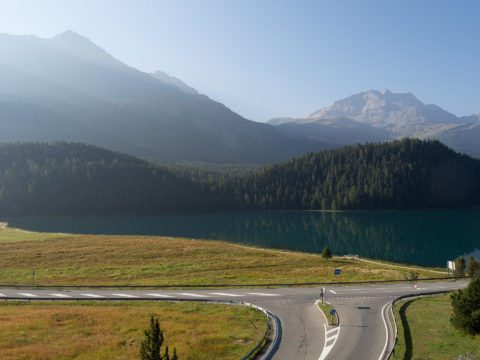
(71, 178)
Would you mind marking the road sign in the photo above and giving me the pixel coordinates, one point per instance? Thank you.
(337, 271)
(332, 312)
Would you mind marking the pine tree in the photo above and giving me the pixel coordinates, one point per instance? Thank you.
(326, 254)
(151, 346)
(472, 266)
(459, 266)
(466, 308)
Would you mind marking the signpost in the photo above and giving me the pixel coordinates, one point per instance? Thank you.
(332, 313)
(322, 294)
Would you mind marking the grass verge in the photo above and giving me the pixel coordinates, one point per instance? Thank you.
(424, 331)
(153, 260)
(114, 330)
(326, 308)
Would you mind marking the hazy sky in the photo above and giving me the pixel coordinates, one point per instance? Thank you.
(269, 58)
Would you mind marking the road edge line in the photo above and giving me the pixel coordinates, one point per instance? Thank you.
(382, 355)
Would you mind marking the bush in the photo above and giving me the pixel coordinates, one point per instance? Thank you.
(466, 308)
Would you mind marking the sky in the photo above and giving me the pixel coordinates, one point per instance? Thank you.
(275, 58)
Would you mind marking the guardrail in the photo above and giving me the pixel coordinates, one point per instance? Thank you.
(254, 351)
(403, 297)
(40, 286)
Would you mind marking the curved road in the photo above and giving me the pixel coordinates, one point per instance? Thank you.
(362, 333)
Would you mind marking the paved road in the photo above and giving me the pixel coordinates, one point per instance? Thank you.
(362, 333)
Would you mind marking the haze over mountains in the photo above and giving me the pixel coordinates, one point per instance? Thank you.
(68, 88)
(383, 115)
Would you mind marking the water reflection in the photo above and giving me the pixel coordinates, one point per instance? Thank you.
(426, 237)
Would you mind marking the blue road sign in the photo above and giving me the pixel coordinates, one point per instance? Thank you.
(332, 312)
(337, 271)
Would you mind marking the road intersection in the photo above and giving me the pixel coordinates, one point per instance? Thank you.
(364, 332)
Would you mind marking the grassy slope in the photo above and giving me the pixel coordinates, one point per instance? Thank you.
(428, 332)
(101, 331)
(96, 259)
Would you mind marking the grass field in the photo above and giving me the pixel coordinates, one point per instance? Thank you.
(147, 260)
(424, 331)
(114, 330)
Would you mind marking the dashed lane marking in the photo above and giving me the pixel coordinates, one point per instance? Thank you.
(159, 295)
(27, 294)
(3, 295)
(333, 292)
(92, 295)
(60, 295)
(225, 294)
(262, 294)
(190, 294)
(125, 295)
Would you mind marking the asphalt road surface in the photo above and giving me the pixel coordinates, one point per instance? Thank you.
(303, 334)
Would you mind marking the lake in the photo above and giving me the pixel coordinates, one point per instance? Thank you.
(423, 237)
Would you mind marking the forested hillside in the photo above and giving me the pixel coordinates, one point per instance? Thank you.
(399, 174)
(71, 178)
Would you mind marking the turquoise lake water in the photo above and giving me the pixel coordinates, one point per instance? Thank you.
(423, 237)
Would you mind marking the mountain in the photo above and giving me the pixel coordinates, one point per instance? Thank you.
(171, 80)
(68, 88)
(383, 115)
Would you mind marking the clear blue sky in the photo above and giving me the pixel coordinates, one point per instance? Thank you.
(269, 58)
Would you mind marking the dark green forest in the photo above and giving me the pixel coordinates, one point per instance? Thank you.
(72, 178)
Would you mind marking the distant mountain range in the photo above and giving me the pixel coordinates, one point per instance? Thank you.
(375, 116)
(68, 88)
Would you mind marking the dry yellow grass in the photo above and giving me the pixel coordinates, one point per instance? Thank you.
(97, 259)
(101, 331)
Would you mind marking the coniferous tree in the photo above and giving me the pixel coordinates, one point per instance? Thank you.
(459, 266)
(466, 308)
(472, 266)
(152, 345)
(326, 253)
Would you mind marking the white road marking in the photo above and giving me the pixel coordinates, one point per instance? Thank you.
(262, 294)
(92, 295)
(382, 355)
(326, 349)
(330, 332)
(60, 295)
(27, 294)
(225, 294)
(159, 295)
(190, 294)
(125, 295)
(333, 292)
(2, 295)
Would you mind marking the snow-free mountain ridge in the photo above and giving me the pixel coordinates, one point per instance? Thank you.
(69, 88)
